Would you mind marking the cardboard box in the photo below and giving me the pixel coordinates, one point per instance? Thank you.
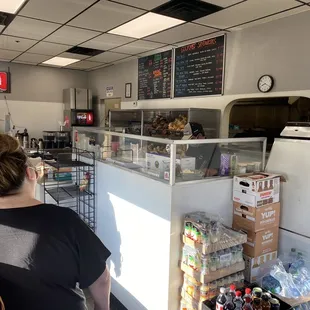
(252, 265)
(256, 189)
(261, 242)
(256, 219)
(161, 163)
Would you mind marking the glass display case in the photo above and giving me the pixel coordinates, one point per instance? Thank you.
(174, 161)
(166, 123)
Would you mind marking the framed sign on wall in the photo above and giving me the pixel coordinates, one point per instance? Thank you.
(128, 89)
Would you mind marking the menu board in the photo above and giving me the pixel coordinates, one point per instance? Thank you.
(154, 76)
(199, 68)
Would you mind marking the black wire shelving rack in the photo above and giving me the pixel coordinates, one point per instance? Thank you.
(70, 182)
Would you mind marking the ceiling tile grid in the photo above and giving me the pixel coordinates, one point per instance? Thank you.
(58, 11)
(137, 47)
(15, 43)
(105, 15)
(245, 12)
(46, 28)
(30, 28)
(71, 35)
(32, 58)
(107, 41)
(108, 57)
(180, 33)
(47, 48)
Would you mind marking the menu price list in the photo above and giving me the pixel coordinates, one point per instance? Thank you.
(154, 76)
(199, 68)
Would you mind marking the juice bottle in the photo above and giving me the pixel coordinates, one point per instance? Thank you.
(247, 294)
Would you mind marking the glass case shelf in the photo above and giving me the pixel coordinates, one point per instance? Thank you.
(173, 160)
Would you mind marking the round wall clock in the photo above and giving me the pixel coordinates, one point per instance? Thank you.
(265, 83)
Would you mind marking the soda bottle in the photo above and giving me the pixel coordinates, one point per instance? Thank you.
(232, 292)
(257, 304)
(265, 302)
(238, 301)
(221, 299)
(229, 305)
(247, 303)
(247, 294)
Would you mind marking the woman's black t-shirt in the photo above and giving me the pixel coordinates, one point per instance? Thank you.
(45, 251)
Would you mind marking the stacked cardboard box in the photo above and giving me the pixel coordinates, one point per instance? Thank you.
(257, 212)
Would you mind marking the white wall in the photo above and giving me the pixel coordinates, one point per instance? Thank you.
(35, 100)
(43, 84)
(34, 115)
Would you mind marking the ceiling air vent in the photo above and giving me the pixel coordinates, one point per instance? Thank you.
(6, 18)
(84, 51)
(187, 10)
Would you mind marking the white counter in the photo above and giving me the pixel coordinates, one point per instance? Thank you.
(140, 221)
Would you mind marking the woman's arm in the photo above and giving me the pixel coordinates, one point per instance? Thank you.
(100, 291)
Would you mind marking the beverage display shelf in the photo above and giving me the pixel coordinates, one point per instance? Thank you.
(226, 241)
(213, 275)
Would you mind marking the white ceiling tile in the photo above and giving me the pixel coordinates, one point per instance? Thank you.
(100, 67)
(108, 57)
(159, 50)
(71, 35)
(73, 56)
(272, 18)
(84, 64)
(143, 4)
(32, 58)
(125, 60)
(245, 12)
(15, 43)
(30, 28)
(138, 47)
(58, 11)
(223, 3)
(8, 55)
(180, 33)
(46, 48)
(107, 42)
(105, 15)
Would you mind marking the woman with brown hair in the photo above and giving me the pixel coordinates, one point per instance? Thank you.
(46, 252)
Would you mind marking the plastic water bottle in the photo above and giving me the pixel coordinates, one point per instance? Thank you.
(221, 299)
(238, 301)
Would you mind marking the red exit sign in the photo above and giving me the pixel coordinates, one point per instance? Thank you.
(4, 82)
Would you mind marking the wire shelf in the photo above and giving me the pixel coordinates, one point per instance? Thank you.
(74, 187)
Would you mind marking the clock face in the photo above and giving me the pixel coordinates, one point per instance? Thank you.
(265, 83)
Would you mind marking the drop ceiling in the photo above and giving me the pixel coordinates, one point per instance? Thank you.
(43, 29)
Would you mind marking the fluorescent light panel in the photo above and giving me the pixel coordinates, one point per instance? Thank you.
(146, 25)
(11, 6)
(60, 61)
